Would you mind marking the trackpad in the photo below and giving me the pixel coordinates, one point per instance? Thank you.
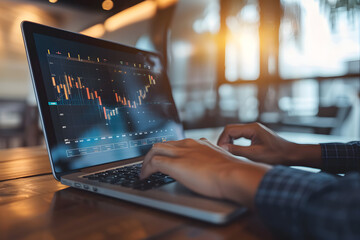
(177, 188)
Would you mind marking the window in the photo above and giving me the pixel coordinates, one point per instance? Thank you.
(242, 41)
(311, 46)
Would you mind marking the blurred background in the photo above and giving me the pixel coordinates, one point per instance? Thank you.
(292, 65)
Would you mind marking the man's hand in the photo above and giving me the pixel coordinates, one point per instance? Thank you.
(206, 169)
(267, 147)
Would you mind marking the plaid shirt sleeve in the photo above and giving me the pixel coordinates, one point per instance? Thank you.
(303, 205)
(340, 157)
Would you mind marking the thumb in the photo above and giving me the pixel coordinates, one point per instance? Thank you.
(243, 151)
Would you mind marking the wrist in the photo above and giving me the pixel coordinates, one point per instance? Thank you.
(304, 155)
(239, 182)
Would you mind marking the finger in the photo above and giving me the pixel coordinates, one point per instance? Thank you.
(180, 143)
(207, 142)
(234, 132)
(211, 145)
(160, 149)
(163, 164)
(248, 151)
(187, 142)
(155, 164)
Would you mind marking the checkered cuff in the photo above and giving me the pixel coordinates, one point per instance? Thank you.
(340, 157)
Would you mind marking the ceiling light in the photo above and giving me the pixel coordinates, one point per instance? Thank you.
(107, 5)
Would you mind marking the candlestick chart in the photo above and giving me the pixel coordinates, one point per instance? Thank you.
(93, 91)
(73, 90)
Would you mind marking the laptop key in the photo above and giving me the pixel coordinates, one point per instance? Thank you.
(168, 180)
(128, 176)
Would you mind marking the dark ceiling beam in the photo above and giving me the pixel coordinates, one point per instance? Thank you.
(92, 5)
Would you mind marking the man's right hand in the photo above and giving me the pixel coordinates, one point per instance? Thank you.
(268, 147)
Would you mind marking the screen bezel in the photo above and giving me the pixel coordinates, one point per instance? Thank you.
(28, 30)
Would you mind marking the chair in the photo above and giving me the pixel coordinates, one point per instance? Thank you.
(18, 122)
(328, 120)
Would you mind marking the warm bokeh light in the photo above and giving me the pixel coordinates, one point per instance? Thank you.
(53, 1)
(26, 13)
(1, 43)
(137, 13)
(107, 5)
(165, 3)
(242, 55)
(95, 31)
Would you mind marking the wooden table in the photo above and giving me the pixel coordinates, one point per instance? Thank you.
(35, 206)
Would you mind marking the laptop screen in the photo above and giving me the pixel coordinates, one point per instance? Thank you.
(105, 104)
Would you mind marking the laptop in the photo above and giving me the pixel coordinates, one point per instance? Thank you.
(102, 106)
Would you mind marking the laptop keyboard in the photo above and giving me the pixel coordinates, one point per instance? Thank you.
(128, 176)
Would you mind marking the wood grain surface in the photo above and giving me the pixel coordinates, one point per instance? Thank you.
(33, 205)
